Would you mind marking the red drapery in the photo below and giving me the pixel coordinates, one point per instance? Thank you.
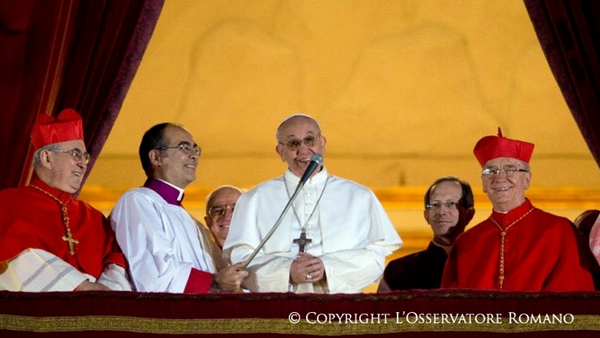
(84, 54)
(569, 33)
(66, 54)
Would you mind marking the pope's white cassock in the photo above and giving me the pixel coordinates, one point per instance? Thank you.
(348, 227)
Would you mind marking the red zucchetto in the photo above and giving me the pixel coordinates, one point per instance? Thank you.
(490, 147)
(67, 126)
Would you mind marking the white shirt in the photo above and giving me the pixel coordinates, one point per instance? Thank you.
(350, 232)
(160, 241)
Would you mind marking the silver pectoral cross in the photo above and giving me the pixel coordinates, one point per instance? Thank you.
(302, 241)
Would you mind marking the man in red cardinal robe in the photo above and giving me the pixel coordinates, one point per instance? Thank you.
(519, 247)
(49, 240)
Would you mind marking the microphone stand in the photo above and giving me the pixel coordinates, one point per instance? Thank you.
(275, 226)
(316, 160)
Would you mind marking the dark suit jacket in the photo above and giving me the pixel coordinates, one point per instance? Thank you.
(421, 270)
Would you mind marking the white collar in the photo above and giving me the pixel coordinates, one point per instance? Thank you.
(320, 177)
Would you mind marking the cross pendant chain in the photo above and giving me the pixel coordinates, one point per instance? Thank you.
(68, 237)
(503, 233)
(302, 241)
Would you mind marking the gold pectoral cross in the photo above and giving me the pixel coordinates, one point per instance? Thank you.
(69, 238)
(65, 218)
(302, 241)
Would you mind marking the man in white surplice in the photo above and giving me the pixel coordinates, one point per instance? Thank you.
(166, 249)
(346, 232)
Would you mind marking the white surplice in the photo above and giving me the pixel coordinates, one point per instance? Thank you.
(161, 241)
(349, 229)
(36, 270)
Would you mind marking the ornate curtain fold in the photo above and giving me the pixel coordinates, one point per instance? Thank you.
(569, 33)
(66, 54)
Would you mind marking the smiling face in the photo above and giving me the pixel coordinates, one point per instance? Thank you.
(220, 210)
(444, 217)
(60, 169)
(506, 192)
(299, 128)
(173, 165)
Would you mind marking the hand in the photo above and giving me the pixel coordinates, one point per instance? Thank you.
(230, 278)
(89, 286)
(306, 268)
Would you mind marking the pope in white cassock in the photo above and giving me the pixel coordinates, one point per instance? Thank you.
(333, 239)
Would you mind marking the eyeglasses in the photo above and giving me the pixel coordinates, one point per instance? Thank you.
(451, 205)
(220, 210)
(508, 171)
(294, 145)
(77, 154)
(186, 148)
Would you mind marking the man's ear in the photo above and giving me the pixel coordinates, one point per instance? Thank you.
(527, 180)
(46, 159)
(154, 156)
(279, 150)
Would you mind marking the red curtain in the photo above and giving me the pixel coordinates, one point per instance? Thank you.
(569, 33)
(66, 54)
(83, 55)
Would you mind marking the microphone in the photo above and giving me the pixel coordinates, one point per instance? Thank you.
(315, 161)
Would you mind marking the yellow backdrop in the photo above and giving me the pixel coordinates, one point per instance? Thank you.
(403, 90)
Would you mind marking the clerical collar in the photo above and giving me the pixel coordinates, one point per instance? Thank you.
(512, 214)
(170, 193)
(61, 195)
(320, 177)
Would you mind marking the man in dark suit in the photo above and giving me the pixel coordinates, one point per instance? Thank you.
(449, 207)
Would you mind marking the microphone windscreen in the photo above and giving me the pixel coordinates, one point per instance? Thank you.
(315, 161)
(317, 158)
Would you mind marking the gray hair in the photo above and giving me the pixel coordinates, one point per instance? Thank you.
(37, 159)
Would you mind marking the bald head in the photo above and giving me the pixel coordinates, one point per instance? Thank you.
(220, 205)
(295, 117)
